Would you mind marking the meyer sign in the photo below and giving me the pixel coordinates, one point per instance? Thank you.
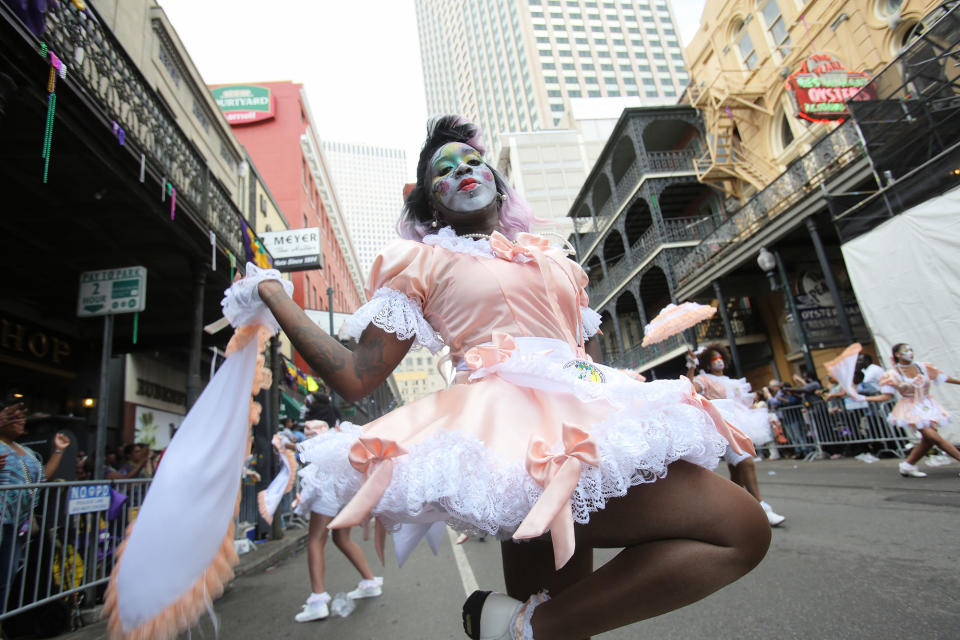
(245, 104)
(822, 86)
(294, 249)
(107, 291)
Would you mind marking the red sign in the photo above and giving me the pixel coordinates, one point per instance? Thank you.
(822, 86)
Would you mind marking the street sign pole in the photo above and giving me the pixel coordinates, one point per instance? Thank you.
(104, 399)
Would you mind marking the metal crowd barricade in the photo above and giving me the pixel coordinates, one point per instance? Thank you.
(58, 539)
(811, 428)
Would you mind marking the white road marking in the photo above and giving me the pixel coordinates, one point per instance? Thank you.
(463, 565)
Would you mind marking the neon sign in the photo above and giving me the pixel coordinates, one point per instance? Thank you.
(822, 86)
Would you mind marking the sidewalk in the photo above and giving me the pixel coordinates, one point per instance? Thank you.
(266, 555)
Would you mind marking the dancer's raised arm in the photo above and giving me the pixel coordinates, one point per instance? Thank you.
(352, 374)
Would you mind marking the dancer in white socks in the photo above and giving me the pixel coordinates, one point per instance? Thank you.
(909, 381)
(735, 401)
(322, 506)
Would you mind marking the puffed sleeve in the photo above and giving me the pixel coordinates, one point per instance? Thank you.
(399, 285)
(889, 382)
(589, 319)
(935, 374)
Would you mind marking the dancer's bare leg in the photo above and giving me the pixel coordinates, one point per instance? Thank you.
(922, 447)
(528, 567)
(316, 541)
(684, 537)
(745, 475)
(341, 538)
(933, 437)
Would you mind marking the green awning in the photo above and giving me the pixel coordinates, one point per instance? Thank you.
(289, 408)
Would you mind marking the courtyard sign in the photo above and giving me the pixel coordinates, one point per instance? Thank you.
(245, 104)
(822, 86)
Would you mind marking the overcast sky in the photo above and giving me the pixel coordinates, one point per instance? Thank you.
(359, 61)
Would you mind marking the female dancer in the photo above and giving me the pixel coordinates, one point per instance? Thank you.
(915, 408)
(322, 507)
(735, 401)
(533, 436)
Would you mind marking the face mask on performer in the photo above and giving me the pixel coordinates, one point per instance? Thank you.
(463, 189)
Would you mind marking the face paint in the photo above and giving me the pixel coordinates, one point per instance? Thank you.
(716, 363)
(460, 181)
(906, 354)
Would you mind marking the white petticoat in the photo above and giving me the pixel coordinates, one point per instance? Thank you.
(753, 422)
(452, 476)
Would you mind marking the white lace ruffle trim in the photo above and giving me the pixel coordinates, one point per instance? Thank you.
(479, 493)
(447, 238)
(241, 303)
(590, 320)
(396, 313)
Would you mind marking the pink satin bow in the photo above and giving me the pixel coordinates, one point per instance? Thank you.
(526, 245)
(558, 474)
(486, 355)
(374, 458)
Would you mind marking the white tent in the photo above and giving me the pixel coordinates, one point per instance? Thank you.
(906, 274)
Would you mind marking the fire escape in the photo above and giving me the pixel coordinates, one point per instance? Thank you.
(726, 162)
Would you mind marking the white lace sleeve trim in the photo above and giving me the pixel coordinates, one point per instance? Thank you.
(393, 312)
(590, 320)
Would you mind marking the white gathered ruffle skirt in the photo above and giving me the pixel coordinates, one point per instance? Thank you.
(464, 449)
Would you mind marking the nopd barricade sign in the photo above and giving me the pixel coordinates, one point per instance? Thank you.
(111, 291)
(88, 498)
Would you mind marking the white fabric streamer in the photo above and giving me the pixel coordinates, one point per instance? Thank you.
(186, 515)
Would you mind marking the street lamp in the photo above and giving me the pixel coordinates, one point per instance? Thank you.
(768, 262)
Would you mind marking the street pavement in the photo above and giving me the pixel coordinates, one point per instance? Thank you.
(863, 553)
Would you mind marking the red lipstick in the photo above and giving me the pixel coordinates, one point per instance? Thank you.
(467, 184)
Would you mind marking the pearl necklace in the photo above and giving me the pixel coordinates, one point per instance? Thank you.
(475, 236)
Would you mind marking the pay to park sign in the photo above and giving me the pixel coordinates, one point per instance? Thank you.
(111, 291)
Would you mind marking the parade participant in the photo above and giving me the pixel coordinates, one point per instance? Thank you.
(321, 505)
(533, 436)
(735, 401)
(910, 382)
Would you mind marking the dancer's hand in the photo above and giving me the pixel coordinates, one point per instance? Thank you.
(241, 303)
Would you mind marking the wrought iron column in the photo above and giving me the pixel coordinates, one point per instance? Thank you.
(194, 382)
(797, 320)
(831, 282)
(722, 306)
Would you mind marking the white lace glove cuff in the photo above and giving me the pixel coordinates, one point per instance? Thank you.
(241, 303)
(590, 321)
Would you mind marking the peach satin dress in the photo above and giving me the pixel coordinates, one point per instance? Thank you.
(532, 436)
(915, 407)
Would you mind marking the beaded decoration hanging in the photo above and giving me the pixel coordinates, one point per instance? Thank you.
(57, 68)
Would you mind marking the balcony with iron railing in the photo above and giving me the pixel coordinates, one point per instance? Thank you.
(674, 230)
(649, 165)
(743, 323)
(838, 149)
(111, 81)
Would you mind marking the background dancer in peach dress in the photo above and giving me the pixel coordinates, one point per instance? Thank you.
(533, 436)
(735, 401)
(916, 409)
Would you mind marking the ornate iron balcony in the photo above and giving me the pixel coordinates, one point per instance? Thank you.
(109, 79)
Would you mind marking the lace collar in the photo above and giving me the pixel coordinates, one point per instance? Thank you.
(449, 240)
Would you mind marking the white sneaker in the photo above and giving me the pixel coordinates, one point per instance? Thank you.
(367, 589)
(316, 610)
(487, 615)
(774, 518)
(908, 470)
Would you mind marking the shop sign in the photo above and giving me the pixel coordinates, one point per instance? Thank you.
(245, 104)
(26, 344)
(110, 291)
(294, 249)
(819, 314)
(822, 86)
(88, 498)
